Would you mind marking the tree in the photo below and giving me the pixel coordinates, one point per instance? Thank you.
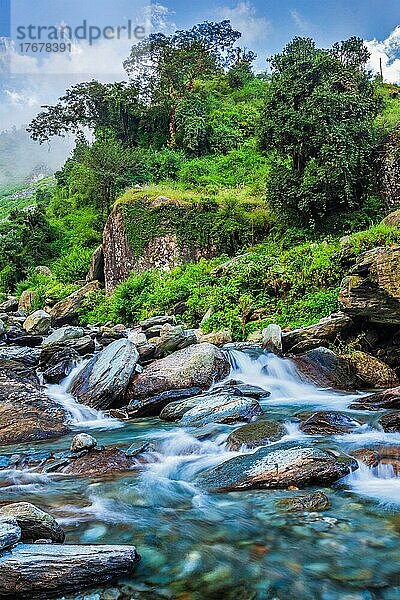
(164, 68)
(318, 118)
(100, 107)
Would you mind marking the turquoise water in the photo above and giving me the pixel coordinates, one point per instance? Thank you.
(237, 545)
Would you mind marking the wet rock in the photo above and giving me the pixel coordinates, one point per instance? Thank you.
(104, 380)
(97, 462)
(366, 455)
(372, 289)
(256, 434)
(151, 407)
(199, 365)
(63, 334)
(17, 336)
(380, 455)
(83, 441)
(327, 329)
(390, 423)
(217, 338)
(51, 355)
(328, 423)
(9, 305)
(96, 270)
(26, 414)
(38, 323)
(272, 339)
(35, 524)
(38, 570)
(173, 338)
(373, 372)
(26, 300)
(10, 533)
(325, 369)
(19, 371)
(60, 365)
(66, 311)
(387, 399)
(221, 409)
(26, 356)
(241, 389)
(315, 502)
(279, 466)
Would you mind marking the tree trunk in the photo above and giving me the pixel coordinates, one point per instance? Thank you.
(40, 570)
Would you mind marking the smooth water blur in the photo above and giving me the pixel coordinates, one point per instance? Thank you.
(238, 545)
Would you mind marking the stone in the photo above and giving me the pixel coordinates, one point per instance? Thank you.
(104, 380)
(10, 533)
(26, 414)
(306, 345)
(327, 329)
(60, 365)
(325, 369)
(390, 423)
(157, 321)
(35, 524)
(66, 311)
(199, 365)
(83, 441)
(9, 305)
(63, 334)
(151, 407)
(392, 219)
(272, 339)
(24, 355)
(256, 434)
(389, 399)
(137, 337)
(96, 269)
(328, 423)
(26, 300)
(43, 270)
(39, 570)
(241, 389)
(221, 409)
(173, 338)
(51, 355)
(374, 373)
(38, 323)
(315, 502)
(372, 289)
(217, 338)
(279, 466)
(99, 463)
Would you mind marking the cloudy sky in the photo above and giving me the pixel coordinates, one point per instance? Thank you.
(266, 25)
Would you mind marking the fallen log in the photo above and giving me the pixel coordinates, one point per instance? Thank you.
(43, 570)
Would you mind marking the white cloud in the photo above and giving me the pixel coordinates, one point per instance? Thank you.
(386, 52)
(245, 19)
(300, 21)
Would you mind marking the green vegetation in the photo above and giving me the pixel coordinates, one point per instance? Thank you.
(273, 169)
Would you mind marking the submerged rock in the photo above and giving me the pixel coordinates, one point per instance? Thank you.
(279, 466)
(325, 369)
(38, 570)
(328, 423)
(256, 434)
(315, 502)
(104, 380)
(199, 365)
(35, 524)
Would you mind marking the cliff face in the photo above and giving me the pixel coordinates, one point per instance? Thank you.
(119, 259)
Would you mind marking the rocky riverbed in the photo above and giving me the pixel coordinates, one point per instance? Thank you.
(231, 471)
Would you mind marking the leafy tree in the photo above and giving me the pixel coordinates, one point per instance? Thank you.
(318, 118)
(164, 68)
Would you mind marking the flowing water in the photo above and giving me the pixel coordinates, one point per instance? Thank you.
(237, 545)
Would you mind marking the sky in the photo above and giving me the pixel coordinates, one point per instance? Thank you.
(36, 79)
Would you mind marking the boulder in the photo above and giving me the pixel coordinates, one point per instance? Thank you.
(151, 407)
(52, 355)
(392, 219)
(43, 270)
(35, 524)
(97, 462)
(38, 323)
(328, 423)
(26, 414)
(221, 409)
(325, 369)
(389, 399)
(24, 355)
(256, 434)
(10, 533)
(241, 389)
(16, 370)
(390, 423)
(26, 300)
(315, 502)
(217, 338)
(96, 269)
(60, 365)
(9, 305)
(327, 329)
(67, 311)
(272, 339)
(199, 365)
(63, 334)
(104, 380)
(279, 466)
(158, 321)
(372, 289)
(83, 442)
(41, 570)
(173, 338)
(373, 372)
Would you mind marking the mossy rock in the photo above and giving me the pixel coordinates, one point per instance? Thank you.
(256, 434)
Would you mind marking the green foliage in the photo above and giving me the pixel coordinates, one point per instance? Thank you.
(74, 265)
(45, 288)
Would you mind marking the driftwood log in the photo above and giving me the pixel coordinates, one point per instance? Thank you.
(43, 570)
